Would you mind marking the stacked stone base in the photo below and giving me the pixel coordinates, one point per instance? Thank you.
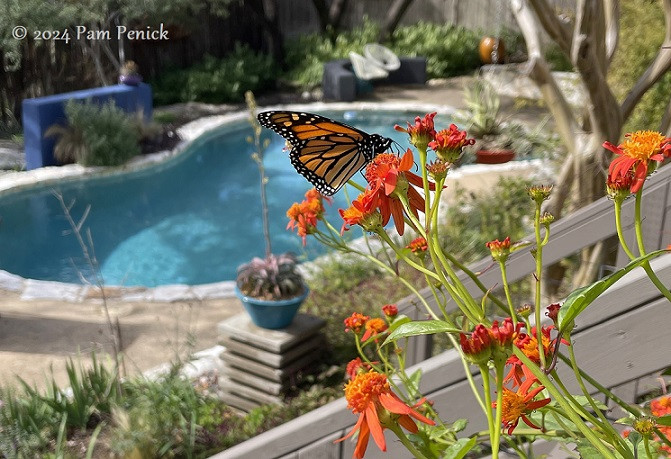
(261, 364)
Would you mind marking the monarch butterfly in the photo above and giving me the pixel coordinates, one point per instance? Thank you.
(327, 153)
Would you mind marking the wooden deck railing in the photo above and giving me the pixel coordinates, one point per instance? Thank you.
(620, 339)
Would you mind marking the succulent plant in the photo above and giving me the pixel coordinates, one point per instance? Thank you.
(275, 277)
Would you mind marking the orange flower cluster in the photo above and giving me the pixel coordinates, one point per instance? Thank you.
(496, 343)
(391, 184)
(635, 155)
(418, 246)
(500, 249)
(449, 143)
(662, 407)
(355, 322)
(304, 216)
(485, 342)
(516, 406)
(370, 396)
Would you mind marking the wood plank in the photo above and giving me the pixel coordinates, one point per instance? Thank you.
(324, 448)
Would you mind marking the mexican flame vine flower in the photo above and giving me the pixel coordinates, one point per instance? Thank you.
(374, 327)
(362, 212)
(635, 154)
(528, 344)
(355, 322)
(303, 217)
(449, 143)
(390, 310)
(422, 132)
(370, 396)
(389, 179)
(518, 405)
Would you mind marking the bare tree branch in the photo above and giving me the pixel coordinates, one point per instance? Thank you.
(558, 29)
(611, 10)
(539, 72)
(660, 64)
(665, 125)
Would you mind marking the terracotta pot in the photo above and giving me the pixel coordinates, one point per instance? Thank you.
(489, 45)
(493, 156)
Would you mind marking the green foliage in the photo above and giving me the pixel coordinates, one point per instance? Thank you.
(27, 424)
(449, 50)
(163, 417)
(97, 135)
(217, 80)
(636, 50)
(557, 60)
(481, 218)
(306, 55)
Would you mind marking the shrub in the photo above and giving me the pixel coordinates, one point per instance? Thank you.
(449, 50)
(637, 48)
(478, 219)
(217, 80)
(96, 135)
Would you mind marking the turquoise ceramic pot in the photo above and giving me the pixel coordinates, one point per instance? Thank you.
(272, 314)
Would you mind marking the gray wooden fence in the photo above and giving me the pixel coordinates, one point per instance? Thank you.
(298, 17)
(622, 340)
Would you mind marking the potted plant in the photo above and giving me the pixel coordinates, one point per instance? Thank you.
(484, 124)
(271, 289)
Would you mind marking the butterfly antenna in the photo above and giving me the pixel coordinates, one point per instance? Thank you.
(396, 144)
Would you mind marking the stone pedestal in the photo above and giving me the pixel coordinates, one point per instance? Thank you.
(260, 363)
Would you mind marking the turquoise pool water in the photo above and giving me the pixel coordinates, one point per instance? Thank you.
(191, 220)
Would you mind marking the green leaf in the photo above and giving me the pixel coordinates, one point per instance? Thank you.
(459, 425)
(627, 421)
(579, 299)
(398, 321)
(582, 400)
(587, 451)
(664, 420)
(460, 448)
(421, 327)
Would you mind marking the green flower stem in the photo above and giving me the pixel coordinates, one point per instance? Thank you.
(406, 442)
(634, 410)
(467, 372)
(618, 227)
(499, 410)
(356, 185)
(646, 443)
(559, 398)
(558, 419)
(464, 307)
(604, 425)
(484, 371)
(506, 289)
(477, 281)
(539, 272)
(465, 295)
(577, 407)
(425, 185)
(385, 237)
(637, 223)
(639, 238)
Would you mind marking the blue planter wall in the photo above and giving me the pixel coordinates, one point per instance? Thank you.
(41, 113)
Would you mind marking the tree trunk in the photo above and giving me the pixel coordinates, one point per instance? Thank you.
(394, 16)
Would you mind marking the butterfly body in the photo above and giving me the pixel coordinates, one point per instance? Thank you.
(326, 152)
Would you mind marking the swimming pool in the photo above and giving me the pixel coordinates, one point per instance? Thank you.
(190, 220)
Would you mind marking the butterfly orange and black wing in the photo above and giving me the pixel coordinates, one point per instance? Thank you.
(327, 153)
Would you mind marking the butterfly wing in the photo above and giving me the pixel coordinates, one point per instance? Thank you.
(327, 153)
